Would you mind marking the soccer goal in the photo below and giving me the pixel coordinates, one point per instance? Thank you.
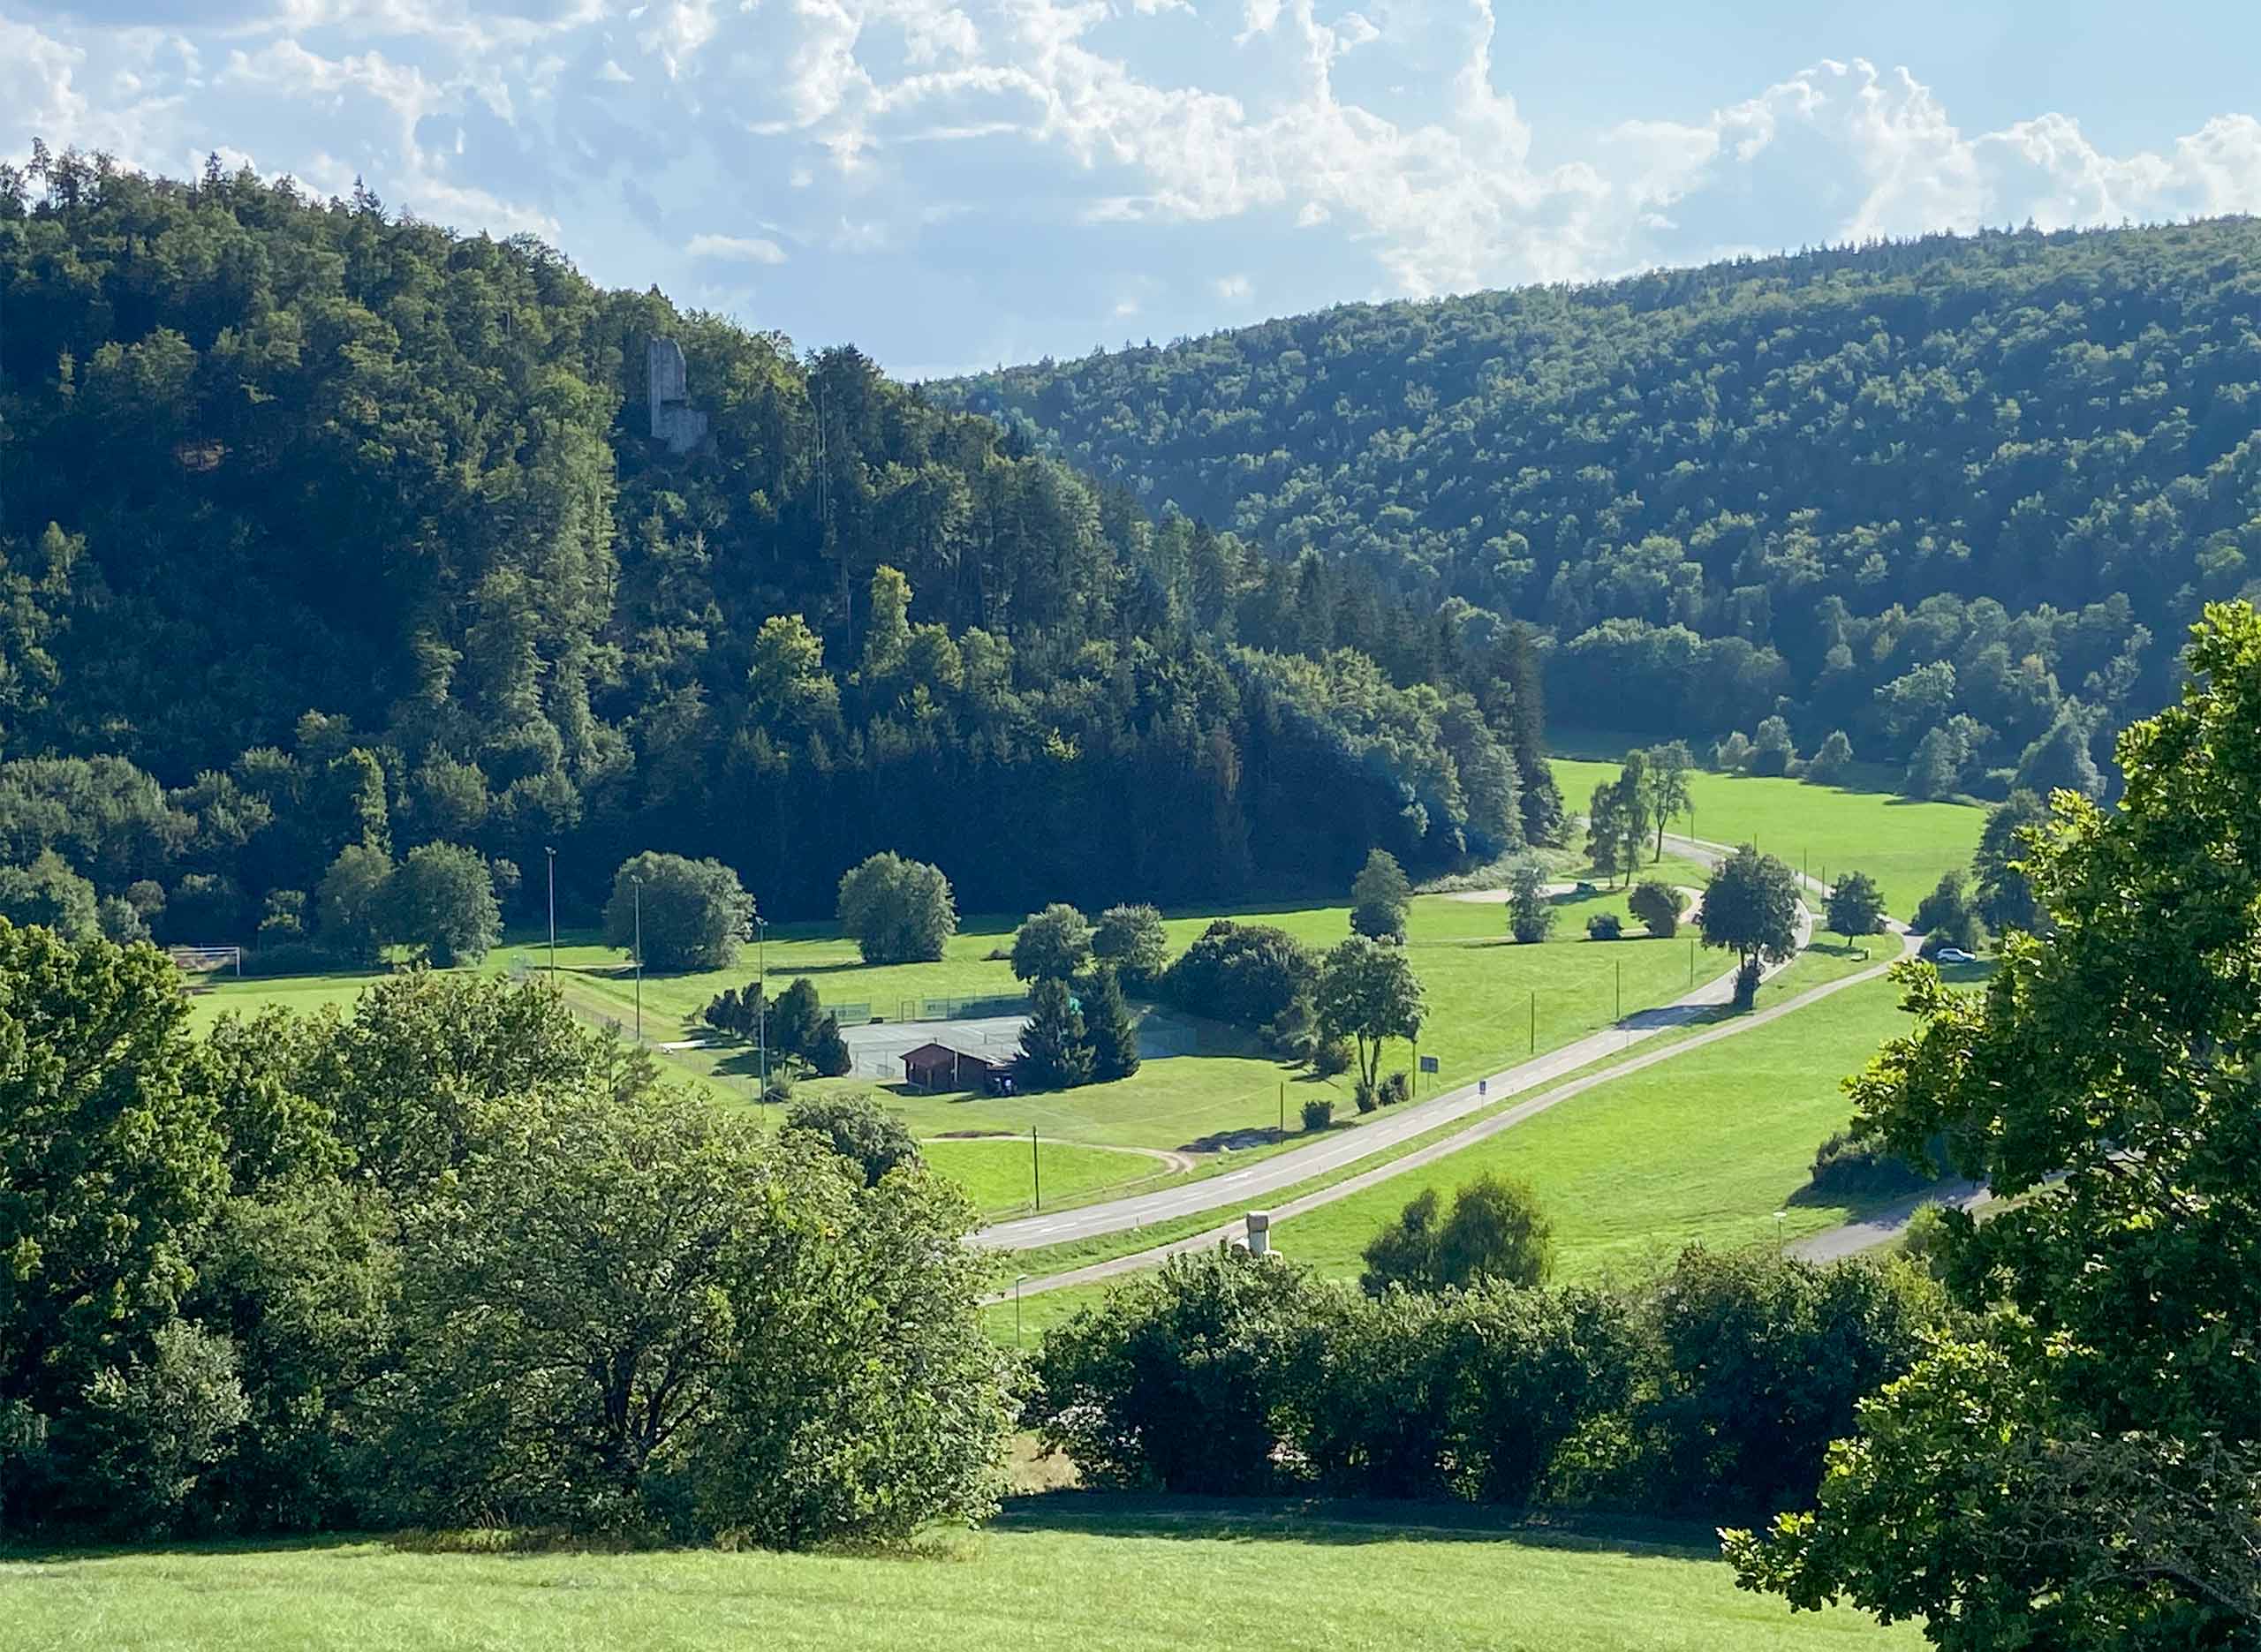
(209, 960)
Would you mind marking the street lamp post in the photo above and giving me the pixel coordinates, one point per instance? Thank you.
(636, 884)
(552, 853)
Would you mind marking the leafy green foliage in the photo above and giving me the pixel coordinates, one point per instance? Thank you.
(48, 892)
(1855, 906)
(897, 910)
(2079, 1466)
(1051, 944)
(695, 915)
(1531, 913)
(1948, 916)
(1495, 1231)
(853, 620)
(1751, 907)
(1368, 993)
(1657, 905)
(109, 1159)
(1894, 485)
(1379, 896)
(2005, 898)
(1226, 1374)
(454, 1258)
(856, 1130)
(442, 900)
(1247, 974)
(1131, 939)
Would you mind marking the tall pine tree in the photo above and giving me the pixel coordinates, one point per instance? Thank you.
(1055, 1052)
(1114, 1035)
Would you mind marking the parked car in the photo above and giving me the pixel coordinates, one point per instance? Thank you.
(1953, 955)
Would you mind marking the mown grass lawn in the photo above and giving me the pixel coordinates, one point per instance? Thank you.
(1825, 830)
(1064, 1572)
(1705, 1147)
(1003, 1178)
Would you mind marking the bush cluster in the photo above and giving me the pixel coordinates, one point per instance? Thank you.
(1718, 1388)
(453, 1258)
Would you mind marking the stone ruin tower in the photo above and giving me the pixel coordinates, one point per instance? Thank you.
(673, 419)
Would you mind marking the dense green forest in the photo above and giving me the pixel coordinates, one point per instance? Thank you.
(1878, 490)
(326, 529)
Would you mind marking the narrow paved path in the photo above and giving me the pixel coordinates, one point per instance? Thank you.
(1881, 1227)
(1461, 1140)
(1341, 1148)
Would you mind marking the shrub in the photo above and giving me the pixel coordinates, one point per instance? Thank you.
(1331, 1057)
(1746, 982)
(1495, 1231)
(1395, 1088)
(1319, 1113)
(1242, 973)
(1176, 1381)
(1365, 1094)
(1850, 1164)
(1657, 905)
(1604, 926)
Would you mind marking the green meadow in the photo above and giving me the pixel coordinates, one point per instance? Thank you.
(1707, 1148)
(1491, 1003)
(1064, 1570)
(1823, 830)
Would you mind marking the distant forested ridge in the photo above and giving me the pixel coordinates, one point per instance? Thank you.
(1979, 486)
(324, 527)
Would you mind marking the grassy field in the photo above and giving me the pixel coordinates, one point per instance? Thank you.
(1825, 830)
(1490, 1002)
(1063, 1570)
(998, 1172)
(1705, 1147)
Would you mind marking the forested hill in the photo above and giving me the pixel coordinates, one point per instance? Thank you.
(1876, 490)
(328, 527)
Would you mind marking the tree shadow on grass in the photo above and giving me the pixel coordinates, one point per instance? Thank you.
(1346, 1521)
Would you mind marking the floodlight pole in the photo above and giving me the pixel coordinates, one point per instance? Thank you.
(761, 1020)
(552, 853)
(636, 884)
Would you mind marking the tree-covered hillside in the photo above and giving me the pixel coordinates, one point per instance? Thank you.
(1875, 490)
(326, 529)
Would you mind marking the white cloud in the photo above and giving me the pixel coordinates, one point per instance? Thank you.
(1077, 128)
(743, 249)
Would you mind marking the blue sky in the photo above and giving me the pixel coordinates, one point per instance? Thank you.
(953, 184)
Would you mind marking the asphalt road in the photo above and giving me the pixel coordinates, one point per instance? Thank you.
(1339, 1150)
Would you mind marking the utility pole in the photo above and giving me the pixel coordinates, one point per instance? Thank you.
(1016, 1308)
(636, 884)
(1283, 1110)
(761, 991)
(1035, 1168)
(1621, 988)
(552, 853)
(1534, 1021)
